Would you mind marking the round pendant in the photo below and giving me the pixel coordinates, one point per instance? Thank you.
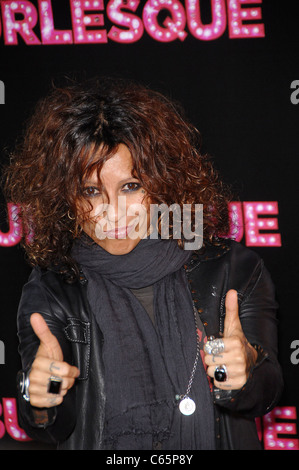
(187, 406)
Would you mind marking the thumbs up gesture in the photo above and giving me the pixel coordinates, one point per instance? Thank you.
(48, 363)
(238, 355)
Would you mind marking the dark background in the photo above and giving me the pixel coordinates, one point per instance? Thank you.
(236, 91)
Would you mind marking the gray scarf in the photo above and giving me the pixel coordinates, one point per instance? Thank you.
(146, 366)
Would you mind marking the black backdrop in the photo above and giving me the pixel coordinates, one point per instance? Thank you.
(241, 92)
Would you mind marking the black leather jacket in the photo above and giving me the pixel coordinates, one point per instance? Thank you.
(78, 422)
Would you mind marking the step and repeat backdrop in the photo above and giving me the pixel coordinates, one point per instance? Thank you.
(233, 65)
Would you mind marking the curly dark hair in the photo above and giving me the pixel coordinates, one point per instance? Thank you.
(61, 146)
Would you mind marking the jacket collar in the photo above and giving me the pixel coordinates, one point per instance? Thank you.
(208, 252)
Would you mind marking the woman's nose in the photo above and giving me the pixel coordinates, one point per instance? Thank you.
(114, 210)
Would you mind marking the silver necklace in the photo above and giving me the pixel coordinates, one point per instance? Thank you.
(187, 406)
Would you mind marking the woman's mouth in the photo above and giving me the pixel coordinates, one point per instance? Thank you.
(118, 232)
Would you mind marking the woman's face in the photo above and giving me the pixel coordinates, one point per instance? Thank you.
(119, 218)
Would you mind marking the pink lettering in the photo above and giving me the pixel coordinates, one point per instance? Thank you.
(133, 24)
(236, 221)
(11, 420)
(244, 21)
(254, 224)
(197, 28)
(173, 25)
(48, 33)
(2, 427)
(82, 23)
(272, 428)
(24, 27)
(237, 15)
(245, 219)
(14, 234)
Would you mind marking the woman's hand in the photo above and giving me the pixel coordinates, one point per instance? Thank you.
(48, 363)
(238, 356)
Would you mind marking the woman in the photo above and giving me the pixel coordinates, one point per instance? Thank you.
(115, 316)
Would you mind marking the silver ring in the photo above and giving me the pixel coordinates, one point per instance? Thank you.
(24, 385)
(54, 385)
(220, 373)
(214, 347)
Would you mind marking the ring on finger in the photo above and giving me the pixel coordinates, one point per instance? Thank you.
(54, 385)
(214, 346)
(220, 373)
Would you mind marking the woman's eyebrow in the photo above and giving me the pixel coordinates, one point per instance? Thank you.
(129, 178)
(96, 182)
(91, 182)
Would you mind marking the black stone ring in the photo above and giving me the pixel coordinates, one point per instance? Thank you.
(54, 385)
(220, 373)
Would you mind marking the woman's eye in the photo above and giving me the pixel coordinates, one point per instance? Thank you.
(131, 187)
(90, 191)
